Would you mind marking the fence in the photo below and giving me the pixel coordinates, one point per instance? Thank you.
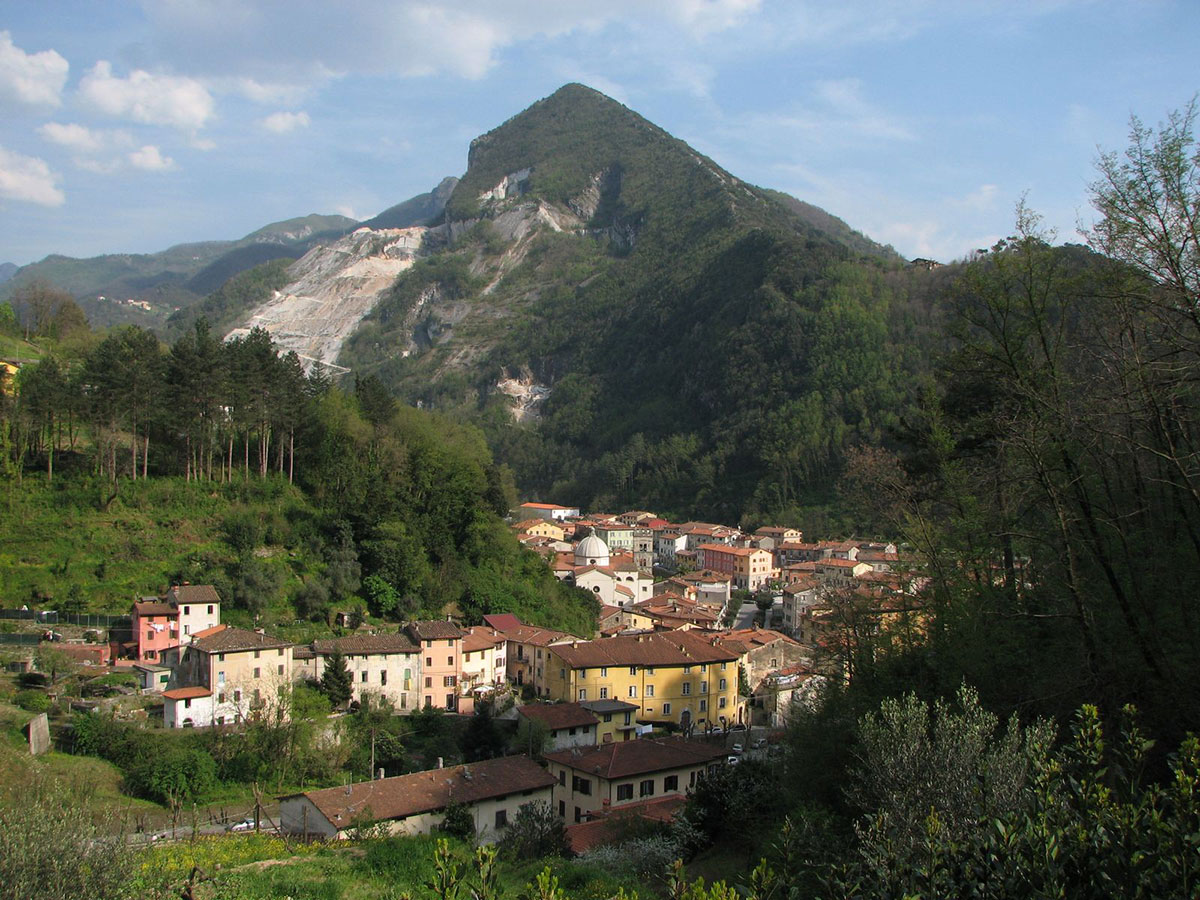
(20, 640)
(53, 617)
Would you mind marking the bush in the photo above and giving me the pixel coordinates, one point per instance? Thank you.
(535, 831)
(33, 701)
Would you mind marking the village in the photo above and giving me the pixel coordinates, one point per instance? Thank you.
(705, 639)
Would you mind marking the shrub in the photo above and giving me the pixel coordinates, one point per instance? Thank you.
(33, 701)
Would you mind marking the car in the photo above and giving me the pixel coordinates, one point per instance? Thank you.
(733, 760)
(246, 824)
(737, 749)
(759, 744)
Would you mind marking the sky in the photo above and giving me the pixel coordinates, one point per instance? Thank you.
(128, 127)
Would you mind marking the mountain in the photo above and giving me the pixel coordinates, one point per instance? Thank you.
(631, 323)
(145, 288)
(422, 209)
(7, 270)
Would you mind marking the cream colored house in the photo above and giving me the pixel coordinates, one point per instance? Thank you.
(617, 774)
(379, 664)
(246, 674)
(484, 659)
(493, 790)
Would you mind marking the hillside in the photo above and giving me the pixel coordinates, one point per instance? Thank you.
(704, 345)
(143, 289)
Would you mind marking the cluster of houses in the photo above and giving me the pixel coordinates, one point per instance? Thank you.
(663, 659)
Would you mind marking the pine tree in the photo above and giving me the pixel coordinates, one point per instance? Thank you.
(336, 682)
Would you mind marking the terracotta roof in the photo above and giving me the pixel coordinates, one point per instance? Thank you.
(367, 644)
(207, 632)
(746, 639)
(154, 608)
(558, 715)
(544, 506)
(193, 593)
(627, 758)
(609, 827)
(479, 638)
(673, 648)
(839, 564)
(233, 640)
(429, 791)
(500, 621)
(733, 551)
(434, 629)
(533, 634)
(187, 693)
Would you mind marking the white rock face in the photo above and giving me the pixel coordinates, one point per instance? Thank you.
(334, 287)
(527, 397)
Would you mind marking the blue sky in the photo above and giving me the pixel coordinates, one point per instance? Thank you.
(129, 127)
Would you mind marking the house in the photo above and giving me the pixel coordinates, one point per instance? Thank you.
(750, 567)
(615, 579)
(538, 527)
(199, 608)
(616, 719)
(227, 675)
(153, 677)
(492, 790)
(674, 676)
(670, 611)
(761, 651)
(441, 654)
(155, 628)
(799, 595)
(549, 511)
(484, 655)
(386, 665)
(773, 696)
(525, 656)
(610, 826)
(613, 775)
(567, 724)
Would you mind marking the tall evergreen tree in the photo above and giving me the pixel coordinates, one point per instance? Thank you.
(336, 681)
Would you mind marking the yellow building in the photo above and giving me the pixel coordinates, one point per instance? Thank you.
(674, 676)
(225, 676)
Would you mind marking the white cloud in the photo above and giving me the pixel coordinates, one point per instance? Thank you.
(28, 179)
(283, 122)
(33, 78)
(153, 99)
(980, 199)
(79, 138)
(150, 159)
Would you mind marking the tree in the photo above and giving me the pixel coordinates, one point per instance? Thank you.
(536, 831)
(336, 681)
(482, 739)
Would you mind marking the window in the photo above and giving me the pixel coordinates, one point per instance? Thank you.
(279, 652)
(449, 642)
(449, 680)
(627, 717)
(704, 668)
(429, 661)
(562, 808)
(603, 671)
(220, 678)
(703, 705)
(666, 709)
(562, 673)
(583, 673)
(687, 688)
(364, 677)
(187, 704)
(501, 818)
(583, 694)
(449, 701)
(646, 788)
(704, 687)
(404, 701)
(649, 670)
(257, 653)
(210, 609)
(428, 681)
(633, 690)
(774, 662)
(257, 672)
(428, 644)
(237, 696)
(608, 717)
(625, 791)
(723, 666)
(633, 670)
(449, 660)
(721, 703)
(383, 677)
(562, 777)
(187, 610)
(671, 783)
(603, 693)
(187, 629)
(149, 634)
(571, 730)
(723, 684)
(649, 690)
(578, 815)
(687, 670)
(581, 785)
(221, 697)
(280, 668)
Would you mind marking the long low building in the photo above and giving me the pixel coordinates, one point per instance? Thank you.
(493, 790)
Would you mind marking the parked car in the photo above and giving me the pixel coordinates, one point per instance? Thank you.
(759, 744)
(247, 824)
(737, 749)
(733, 760)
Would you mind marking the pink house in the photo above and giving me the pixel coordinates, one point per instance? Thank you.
(441, 658)
(155, 628)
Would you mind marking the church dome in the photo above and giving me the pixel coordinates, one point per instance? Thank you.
(591, 551)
